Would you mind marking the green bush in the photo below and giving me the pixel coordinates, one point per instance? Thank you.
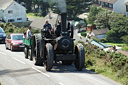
(39, 14)
(36, 14)
(96, 39)
(111, 36)
(125, 48)
(125, 39)
(126, 82)
(107, 63)
(9, 28)
(84, 34)
(103, 40)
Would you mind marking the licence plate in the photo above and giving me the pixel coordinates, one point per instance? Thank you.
(21, 46)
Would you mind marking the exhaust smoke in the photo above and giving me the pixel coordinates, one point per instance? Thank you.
(61, 4)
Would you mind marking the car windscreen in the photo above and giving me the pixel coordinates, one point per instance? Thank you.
(17, 37)
(1, 30)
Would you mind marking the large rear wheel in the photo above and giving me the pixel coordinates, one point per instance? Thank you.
(42, 49)
(37, 60)
(80, 57)
(48, 64)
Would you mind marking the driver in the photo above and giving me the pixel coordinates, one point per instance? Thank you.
(47, 25)
(47, 29)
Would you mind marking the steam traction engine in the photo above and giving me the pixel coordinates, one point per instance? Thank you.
(47, 47)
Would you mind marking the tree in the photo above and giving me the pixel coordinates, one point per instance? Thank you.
(102, 19)
(111, 36)
(44, 8)
(92, 14)
(118, 23)
(115, 22)
(28, 5)
(119, 27)
(74, 7)
(125, 39)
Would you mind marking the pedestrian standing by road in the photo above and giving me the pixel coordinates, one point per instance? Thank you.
(29, 34)
(114, 49)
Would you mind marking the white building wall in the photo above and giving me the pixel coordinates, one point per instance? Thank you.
(18, 11)
(1, 14)
(119, 6)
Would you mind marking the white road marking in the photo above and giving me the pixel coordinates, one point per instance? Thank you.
(40, 72)
(18, 60)
(3, 53)
(61, 83)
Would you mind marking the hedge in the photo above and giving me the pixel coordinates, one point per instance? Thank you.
(111, 64)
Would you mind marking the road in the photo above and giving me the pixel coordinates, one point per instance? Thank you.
(16, 70)
(78, 37)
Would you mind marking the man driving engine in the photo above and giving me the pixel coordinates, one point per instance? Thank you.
(47, 25)
(47, 29)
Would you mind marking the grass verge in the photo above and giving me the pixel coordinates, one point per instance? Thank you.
(34, 15)
(124, 46)
(112, 65)
(116, 44)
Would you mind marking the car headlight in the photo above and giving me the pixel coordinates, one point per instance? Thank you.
(15, 44)
(4, 35)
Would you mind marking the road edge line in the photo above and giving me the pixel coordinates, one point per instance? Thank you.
(3, 53)
(18, 60)
(40, 72)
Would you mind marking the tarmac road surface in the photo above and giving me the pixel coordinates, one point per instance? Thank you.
(16, 70)
(78, 37)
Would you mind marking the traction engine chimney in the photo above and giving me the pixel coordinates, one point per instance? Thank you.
(63, 24)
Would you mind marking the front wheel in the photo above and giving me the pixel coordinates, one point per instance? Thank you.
(80, 57)
(48, 64)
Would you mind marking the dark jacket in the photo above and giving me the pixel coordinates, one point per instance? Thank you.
(48, 26)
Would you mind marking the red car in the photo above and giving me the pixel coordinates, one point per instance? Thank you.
(14, 41)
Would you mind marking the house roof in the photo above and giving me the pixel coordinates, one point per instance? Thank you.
(83, 16)
(126, 3)
(5, 3)
(108, 1)
(38, 23)
(100, 31)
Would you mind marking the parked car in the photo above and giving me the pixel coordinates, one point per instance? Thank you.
(14, 41)
(2, 35)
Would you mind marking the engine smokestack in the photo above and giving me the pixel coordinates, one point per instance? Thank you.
(63, 23)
